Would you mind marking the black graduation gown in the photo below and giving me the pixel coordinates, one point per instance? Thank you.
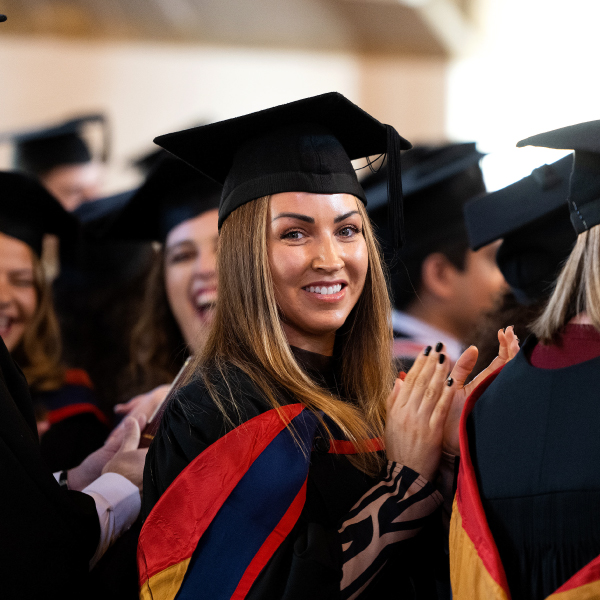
(533, 438)
(308, 562)
(48, 534)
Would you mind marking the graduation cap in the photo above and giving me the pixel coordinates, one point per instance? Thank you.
(145, 163)
(172, 193)
(532, 217)
(40, 150)
(28, 211)
(584, 196)
(303, 146)
(436, 182)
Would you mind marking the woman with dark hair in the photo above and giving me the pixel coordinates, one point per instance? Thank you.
(177, 207)
(70, 424)
(267, 477)
(525, 521)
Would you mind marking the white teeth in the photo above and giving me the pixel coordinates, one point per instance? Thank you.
(323, 290)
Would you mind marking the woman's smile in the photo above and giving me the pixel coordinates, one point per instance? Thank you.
(319, 261)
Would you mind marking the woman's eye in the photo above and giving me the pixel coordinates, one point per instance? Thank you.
(348, 231)
(24, 283)
(292, 235)
(180, 257)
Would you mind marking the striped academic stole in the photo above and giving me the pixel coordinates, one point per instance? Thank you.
(476, 570)
(227, 512)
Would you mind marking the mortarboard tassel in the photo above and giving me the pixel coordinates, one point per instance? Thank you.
(394, 187)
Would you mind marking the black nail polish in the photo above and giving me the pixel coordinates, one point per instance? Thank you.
(449, 381)
(439, 346)
(427, 351)
(442, 358)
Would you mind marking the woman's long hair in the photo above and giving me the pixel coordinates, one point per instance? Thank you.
(247, 333)
(577, 288)
(39, 351)
(157, 349)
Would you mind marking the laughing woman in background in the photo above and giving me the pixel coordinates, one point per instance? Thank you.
(70, 424)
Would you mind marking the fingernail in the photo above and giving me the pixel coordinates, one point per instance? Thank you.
(427, 351)
(439, 346)
(449, 381)
(442, 358)
(402, 375)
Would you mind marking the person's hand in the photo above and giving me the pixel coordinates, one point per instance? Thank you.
(90, 469)
(416, 413)
(509, 346)
(128, 460)
(145, 404)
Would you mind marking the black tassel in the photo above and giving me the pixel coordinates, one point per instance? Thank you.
(394, 187)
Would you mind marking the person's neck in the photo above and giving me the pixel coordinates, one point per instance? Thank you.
(435, 317)
(580, 319)
(319, 344)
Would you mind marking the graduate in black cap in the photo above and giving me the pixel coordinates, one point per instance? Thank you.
(60, 157)
(69, 420)
(531, 217)
(526, 520)
(177, 207)
(267, 477)
(50, 535)
(440, 288)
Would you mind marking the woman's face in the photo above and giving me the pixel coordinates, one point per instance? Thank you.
(191, 275)
(319, 261)
(18, 295)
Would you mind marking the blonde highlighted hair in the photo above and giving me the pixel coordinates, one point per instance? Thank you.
(247, 333)
(577, 288)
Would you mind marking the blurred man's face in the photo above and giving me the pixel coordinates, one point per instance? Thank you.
(478, 286)
(72, 185)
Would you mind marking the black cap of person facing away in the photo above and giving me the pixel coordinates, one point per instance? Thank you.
(172, 193)
(436, 183)
(28, 212)
(303, 146)
(531, 216)
(584, 190)
(37, 151)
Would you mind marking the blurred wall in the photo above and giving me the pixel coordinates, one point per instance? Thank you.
(149, 89)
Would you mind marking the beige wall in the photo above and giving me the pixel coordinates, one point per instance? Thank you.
(149, 89)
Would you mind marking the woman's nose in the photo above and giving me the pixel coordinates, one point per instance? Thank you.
(328, 257)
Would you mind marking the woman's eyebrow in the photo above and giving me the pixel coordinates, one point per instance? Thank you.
(345, 216)
(305, 218)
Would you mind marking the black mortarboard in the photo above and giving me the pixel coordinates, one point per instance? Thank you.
(145, 163)
(40, 150)
(28, 211)
(303, 146)
(436, 183)
(172, 193)
(584, 195)
(499, 213)
(532, 217)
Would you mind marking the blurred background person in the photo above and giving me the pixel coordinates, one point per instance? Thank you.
(69, 420)
(531, 217)
(61, 158)
(440, 288)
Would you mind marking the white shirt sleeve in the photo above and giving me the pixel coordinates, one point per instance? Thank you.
(118, 504)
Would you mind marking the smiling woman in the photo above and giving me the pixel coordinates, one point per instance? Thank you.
(268, 476)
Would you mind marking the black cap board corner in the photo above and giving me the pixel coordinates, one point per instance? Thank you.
(28, 212)
(497, 214)
(303, 146)
(584, 194)
(39, 150)
(172, 193)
